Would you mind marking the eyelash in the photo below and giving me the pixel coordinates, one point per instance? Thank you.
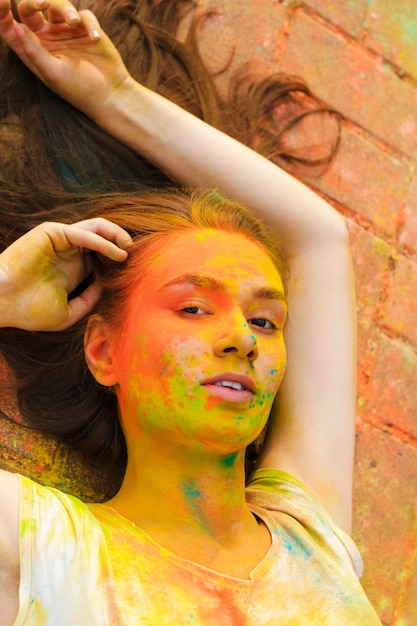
(262, 319)
(186, 309)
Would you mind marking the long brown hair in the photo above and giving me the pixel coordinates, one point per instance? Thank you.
(56, 392)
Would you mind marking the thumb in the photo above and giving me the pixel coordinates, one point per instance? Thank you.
(81, 305)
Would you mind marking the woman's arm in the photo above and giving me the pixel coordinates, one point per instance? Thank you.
(312, 427)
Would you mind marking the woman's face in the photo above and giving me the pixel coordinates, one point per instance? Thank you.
(202, 354)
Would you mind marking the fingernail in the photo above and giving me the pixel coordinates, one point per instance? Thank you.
(72, 16)
(126, 243)
(95, 35)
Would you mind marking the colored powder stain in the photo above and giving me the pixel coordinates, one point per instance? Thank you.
(191, 491)
(410, 29)
(27, 526)
(297, 550)
(288, 545)
(192, 495)
(212, 402)
(38, 614)
(230, 459)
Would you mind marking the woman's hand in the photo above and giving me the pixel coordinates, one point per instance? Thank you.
(39, 271)
(66, 50)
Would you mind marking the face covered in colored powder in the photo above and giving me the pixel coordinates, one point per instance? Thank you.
(201, 353)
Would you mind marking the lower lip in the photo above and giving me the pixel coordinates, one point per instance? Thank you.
(229, 394)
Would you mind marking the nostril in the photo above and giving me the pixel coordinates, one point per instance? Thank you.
(230, 349)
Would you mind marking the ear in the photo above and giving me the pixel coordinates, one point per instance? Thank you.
(97, 349)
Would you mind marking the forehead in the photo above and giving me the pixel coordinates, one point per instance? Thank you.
(222, 254)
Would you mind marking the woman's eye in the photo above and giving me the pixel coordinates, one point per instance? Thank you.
(262, 322)
(193, 310)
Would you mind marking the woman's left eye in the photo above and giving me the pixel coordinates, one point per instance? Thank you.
(262, 322)
(193, 310)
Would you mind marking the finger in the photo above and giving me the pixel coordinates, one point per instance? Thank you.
(29, 49)
(111, 231)
(15, 35)
(105, 241)
(30, 12)
(7, 22)
(5, 12)
(62, 11)
(81, 306)
(91, 24)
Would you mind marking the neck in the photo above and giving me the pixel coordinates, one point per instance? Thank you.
(165, 491)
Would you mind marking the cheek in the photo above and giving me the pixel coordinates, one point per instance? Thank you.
(185, 363)
(156, 363)
(274, 364)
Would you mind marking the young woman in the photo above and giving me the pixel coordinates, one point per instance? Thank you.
(194, 357)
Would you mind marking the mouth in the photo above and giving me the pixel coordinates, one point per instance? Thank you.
(232, 387)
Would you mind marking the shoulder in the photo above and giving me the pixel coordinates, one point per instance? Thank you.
(9, 511)
(287, 498)
(50, 515)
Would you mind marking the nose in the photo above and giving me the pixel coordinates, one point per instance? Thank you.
(239, 340)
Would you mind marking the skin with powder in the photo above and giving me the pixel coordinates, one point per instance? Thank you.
(199, 354)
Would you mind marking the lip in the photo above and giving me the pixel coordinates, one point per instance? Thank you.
(246, 382)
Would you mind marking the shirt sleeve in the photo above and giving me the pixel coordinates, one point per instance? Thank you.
(276, 490)
(51, 524)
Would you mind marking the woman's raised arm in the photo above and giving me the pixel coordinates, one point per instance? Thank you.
(312, 428)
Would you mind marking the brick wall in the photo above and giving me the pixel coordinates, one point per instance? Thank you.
(360, 57)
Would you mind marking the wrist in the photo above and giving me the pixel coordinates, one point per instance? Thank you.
(120, 113)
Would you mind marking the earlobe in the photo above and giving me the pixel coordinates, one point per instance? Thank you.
(97, 350)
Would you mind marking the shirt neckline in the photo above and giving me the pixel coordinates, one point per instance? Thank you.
(258, 572)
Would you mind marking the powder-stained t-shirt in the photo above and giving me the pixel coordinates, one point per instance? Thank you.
(85, 565)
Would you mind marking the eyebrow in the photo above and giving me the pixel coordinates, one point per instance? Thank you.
(209, 282)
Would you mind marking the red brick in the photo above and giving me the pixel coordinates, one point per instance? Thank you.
(384, 506)
(399, 311)
(370, 257)
(390, 394)
(392, 32)
(354, 81)
(239, 32)
(406, 609)
(347, 15)
(366, 180)
(408, 228)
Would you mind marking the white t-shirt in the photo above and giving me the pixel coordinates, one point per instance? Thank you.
(85, 565)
